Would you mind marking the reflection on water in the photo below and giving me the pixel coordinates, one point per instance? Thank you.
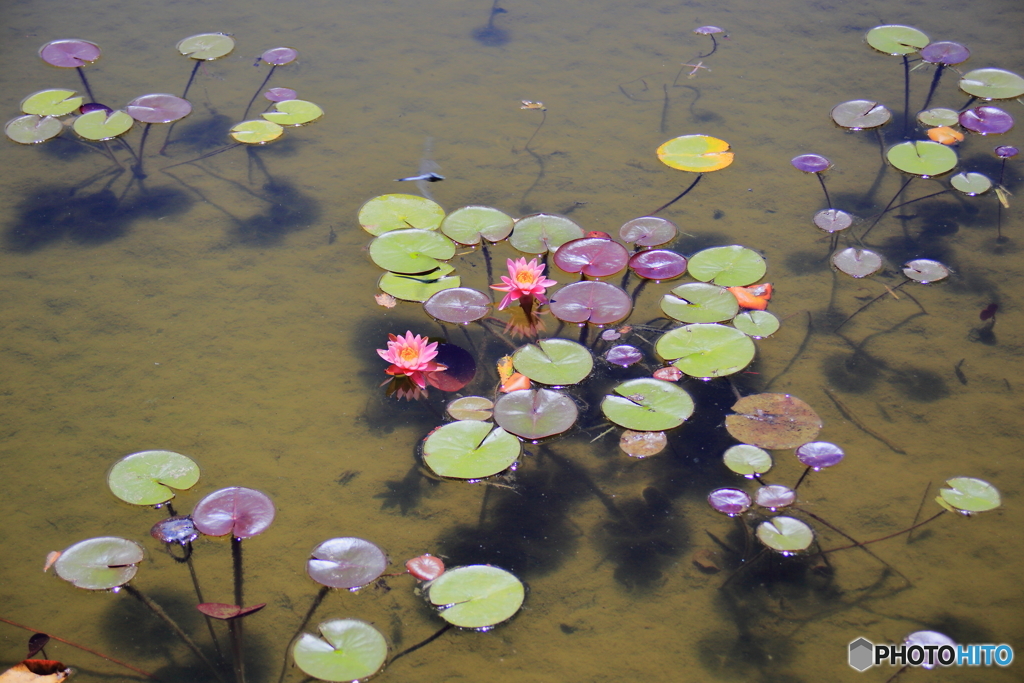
(227, 313)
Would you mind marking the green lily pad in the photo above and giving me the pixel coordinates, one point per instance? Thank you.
(477, 596)
(648, 404)
(206, 46)
(470, 224)
(939, 117)
(535, 413)
(785, 534)
(971, 184)
(554, 361)
(419, 287)
(732, 266)
(99, 125)
(32, 129)
(757, 324)
(148, 477)
(294, 113)
(471, 408)
(966, 494)
(100, 564)
(256, 132)
(992, 84)
(896, 40)
(411, 250)
(349, 650)
(747, 460)
(541, 232)
(399, 212)
(700, 302)
(470, 449)
(922, 157)
(696, 153)
(706, 350)
(53, 102)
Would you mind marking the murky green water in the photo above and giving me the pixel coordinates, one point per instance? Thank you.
(192, 329)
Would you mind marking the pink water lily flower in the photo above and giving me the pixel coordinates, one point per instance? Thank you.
(526, 281)
(410, 356)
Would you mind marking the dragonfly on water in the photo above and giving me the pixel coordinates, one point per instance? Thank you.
(428, 171)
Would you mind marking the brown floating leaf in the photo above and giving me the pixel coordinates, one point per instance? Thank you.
(220, 610)
(642, 444)
(36, 671)
(773, 421)
(708, 561)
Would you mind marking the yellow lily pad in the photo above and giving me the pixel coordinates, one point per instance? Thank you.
(53, 102)
(294, 113)
(98, 126)
(256, 132)
(696, 153)
(206, 46)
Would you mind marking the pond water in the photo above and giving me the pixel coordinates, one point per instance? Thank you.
(229, 315)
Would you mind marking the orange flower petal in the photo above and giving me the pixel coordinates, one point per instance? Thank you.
(945, 135)
(515, 382)
(749, 299)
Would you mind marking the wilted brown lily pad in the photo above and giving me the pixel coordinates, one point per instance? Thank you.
(36, 671)
(773, 421)
(220, 610)
(642, 444)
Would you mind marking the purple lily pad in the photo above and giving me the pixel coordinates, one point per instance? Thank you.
(820, 454)
(708, 30)
(535, 413)
(460, 364)
(775, 496)
(279, 56)
(624, 355)
(238, 511)
(69, 52)
(592, 256)
(658, 264)
(986, 120)
(280, 94)
(600, 303)
(728, 501)
(1006, 151)
(346, 563)
(648, 231)
(158, 108)
(833, 220)
(458, 305)
(945, 52)
(811, 163)
(94, 106)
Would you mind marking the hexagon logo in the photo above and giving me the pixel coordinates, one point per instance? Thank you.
(862, 654)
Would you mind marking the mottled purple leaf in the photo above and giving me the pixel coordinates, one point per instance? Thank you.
(820, 454)
(592, 256)
(648, 231)
(238, 511)
(624, 355)
(728, 501)
(280, 94)
(811, 163)
(658, 264)
(596, 302)
(69, 52)
(833, 220)
(158, 108)
(460, 364)
(1006, 151)
(986, 120)
(458, 305)
(278, 56)
(535, 413)
(708, 30)
(775, 496)
(945, 52)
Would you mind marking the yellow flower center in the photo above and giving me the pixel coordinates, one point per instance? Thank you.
(525, 277)
(408, 354)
